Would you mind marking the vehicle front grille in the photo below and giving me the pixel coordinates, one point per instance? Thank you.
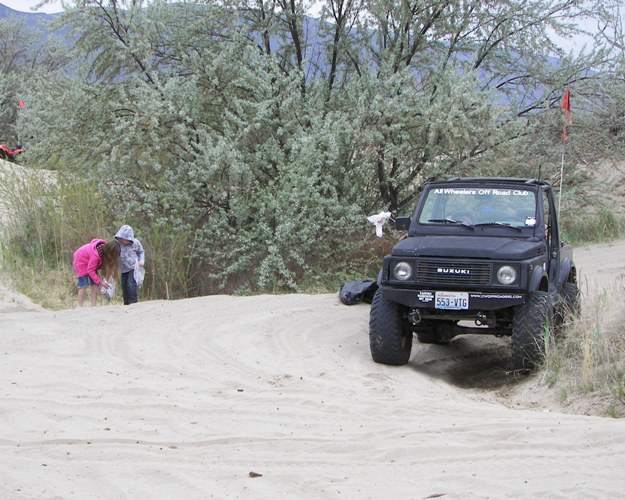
(437, 272)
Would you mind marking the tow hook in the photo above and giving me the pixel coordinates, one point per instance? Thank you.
(481, 319)
(414, 316)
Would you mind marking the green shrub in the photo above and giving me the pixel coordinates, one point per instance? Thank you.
(605, 225)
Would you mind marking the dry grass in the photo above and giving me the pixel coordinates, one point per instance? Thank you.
(54, 289)
(587, 365)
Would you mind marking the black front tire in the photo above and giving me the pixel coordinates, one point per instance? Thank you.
(390, 333)
(532, 330)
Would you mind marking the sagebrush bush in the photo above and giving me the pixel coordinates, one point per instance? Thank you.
(296, 241)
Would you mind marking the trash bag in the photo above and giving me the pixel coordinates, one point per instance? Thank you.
(352, 292)
(109, 291)
(139, 274)
(379, 220)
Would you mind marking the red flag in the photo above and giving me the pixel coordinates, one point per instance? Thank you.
(567, 115)
(21, 104)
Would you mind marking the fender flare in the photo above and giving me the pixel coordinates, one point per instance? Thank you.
(537, 276)
(568, 268)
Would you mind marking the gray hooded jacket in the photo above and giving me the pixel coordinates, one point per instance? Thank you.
(130, 254)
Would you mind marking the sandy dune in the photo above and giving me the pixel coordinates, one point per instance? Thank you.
(185, 399)
(277, 397)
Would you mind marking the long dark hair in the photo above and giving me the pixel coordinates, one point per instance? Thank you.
(110, 260)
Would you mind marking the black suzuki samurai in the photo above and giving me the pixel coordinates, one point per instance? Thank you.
(481, 256)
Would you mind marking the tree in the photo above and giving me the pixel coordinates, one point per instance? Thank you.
(251, 141)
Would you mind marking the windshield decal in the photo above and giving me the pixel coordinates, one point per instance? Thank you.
(485, 207)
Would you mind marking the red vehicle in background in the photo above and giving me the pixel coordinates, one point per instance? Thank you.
(10, 154)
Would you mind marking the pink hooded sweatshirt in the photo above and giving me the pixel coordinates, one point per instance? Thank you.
(87, 261)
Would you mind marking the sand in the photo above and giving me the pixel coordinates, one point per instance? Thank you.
(271, 397)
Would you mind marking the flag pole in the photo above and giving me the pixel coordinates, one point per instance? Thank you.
(561, 178)
(568, 119)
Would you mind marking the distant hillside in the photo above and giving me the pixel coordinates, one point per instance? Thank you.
(32, 18)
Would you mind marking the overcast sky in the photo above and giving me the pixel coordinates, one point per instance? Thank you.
(25, 5)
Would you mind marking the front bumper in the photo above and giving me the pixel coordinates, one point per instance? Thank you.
(477, 300)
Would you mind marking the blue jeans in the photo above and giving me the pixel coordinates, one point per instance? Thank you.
(129, 288)
(85, 281)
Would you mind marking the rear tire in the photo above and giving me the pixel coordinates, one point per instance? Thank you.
(390, 333)
(572, 300)
(532, 331)
(569, 308)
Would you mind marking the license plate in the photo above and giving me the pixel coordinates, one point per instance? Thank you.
(452, 300)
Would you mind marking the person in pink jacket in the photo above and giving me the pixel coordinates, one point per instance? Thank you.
(97, 255)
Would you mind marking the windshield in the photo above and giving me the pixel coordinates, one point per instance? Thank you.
(476, 206)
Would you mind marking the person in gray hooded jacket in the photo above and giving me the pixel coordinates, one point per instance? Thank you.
(132, 255)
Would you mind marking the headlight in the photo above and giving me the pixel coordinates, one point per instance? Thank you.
(506, 275)
(402, 271)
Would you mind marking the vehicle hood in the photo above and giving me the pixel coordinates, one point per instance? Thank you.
(477, 247)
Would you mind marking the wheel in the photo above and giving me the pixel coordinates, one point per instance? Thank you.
(433, 332)
(532, 331)
(390, 334)
(569, 308)
(572, 300)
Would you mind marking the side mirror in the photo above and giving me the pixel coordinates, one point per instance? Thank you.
(402, 223)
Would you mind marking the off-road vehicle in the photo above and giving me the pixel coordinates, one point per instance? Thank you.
(9, 153)
(481, 256)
